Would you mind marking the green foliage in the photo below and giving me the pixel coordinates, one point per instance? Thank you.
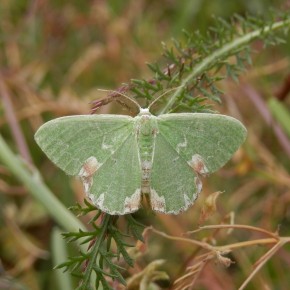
(101, 258)
(195, 65)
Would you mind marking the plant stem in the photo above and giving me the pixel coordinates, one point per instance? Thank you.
(95, 251)
(205, 63)
(39, 190)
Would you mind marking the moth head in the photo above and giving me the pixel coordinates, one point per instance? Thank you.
(144, 112)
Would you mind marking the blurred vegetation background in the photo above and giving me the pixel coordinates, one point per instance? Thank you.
(55, 55)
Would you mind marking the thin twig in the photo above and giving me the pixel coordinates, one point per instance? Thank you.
(217, 248)
(263, 261)
(235, 226)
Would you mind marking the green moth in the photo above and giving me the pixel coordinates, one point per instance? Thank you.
(119, 158)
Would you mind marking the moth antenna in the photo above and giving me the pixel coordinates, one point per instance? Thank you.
(123, 95)
(159, 97)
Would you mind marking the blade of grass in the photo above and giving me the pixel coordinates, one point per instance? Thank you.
(33, 182)
(59, 255)
(280, 113)
(39, 190)
(263, 109)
